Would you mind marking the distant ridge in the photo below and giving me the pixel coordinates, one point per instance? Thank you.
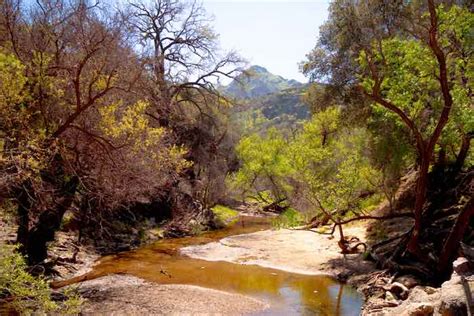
(257, 82)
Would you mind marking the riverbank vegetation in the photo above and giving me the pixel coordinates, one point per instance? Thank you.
(113, 121)
(397, 97)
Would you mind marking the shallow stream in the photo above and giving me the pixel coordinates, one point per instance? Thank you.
(287, 293)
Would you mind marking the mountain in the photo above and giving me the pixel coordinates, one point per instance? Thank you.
(257, 82)
(261, 94)
(285, 103)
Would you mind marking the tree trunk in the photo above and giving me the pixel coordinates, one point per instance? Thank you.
(440, 165)
(48, 223)
(342, 241)
(465, 145)
(25, 201)
(420, 199)
(451, 245)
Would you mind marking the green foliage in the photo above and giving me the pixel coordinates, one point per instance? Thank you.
(410, 80)
(371, 203)
(287, 103)
(12, 82)
(262, 198)
(326, 163)
(264, 164)
(250, 121)
(28, 294)
(224, 214)
(21, 136)
(289, 218)
(337, 172)
(132, 125)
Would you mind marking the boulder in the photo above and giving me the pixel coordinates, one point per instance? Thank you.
(398, 289)
(452, 298)
(461, 266)
(390, 298)
(420, 309)
(409, 281)
(421, 301)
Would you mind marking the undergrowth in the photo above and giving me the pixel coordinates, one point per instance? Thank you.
(225, 215)
(289, 218)
(27, 294)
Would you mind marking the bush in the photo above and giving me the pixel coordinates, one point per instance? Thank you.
(289, 218)
(25, 293)
(225, 215)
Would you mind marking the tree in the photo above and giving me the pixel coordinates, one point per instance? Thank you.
(378, 46)
(334, 165)
(183, 62)
(398, 81)
(325, 164)
(71, 108)
(179, 48)
(104, 110)
(265, 166)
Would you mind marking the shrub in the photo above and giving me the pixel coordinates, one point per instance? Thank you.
(289, 218)
(224, 215)
(25, 293)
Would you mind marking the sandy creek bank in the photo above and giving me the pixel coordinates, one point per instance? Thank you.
(248, 269)
(125, 294)
(295, 251)
(258, 271)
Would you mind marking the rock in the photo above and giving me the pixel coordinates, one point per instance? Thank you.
(461, 266)
(409, 281)
(123, 247)
(449, 300)
(453, 298)
(430, 290)
(390, 298)
(343, 276)
(421, 301)
(400, 290)
(421, 310)
(468, 252)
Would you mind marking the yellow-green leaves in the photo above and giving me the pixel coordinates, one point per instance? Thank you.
(129, 125)
(409, 71)
(29, 294)
(12, 82)
(265, 159)
(327, 162)
(21, 137)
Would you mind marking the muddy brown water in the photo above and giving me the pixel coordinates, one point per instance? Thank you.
(287, 293)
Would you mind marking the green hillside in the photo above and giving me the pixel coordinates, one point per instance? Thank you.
(267, 100)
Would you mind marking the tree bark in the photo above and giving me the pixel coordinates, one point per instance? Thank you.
(451, 245)
(48, 223)
(420, 199)
(462, 155)
(25, 201)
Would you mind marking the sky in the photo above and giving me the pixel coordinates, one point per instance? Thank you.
(274, 34)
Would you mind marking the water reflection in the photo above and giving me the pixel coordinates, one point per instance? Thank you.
(288, 293)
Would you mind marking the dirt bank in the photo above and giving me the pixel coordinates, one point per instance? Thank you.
(294, 251)
(125, 294)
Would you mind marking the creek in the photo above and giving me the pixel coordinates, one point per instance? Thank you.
(287, 293)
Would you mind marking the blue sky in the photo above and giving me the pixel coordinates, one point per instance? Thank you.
(270, 33)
